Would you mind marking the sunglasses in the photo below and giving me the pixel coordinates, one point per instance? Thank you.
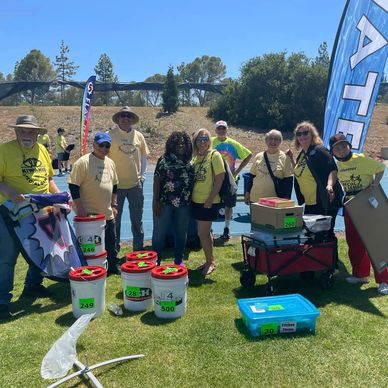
(221, 128)
(302, 133)
(126, 116)
(203, 138)
(104, 145)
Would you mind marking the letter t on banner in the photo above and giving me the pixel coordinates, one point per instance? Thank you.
(85, 112)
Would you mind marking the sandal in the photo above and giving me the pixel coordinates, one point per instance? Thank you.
(209, 268)
(200, 267)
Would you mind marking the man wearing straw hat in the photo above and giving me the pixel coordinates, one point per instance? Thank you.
(25, 167)
(129, 152)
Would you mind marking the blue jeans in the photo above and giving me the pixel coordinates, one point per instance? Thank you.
(171, 216)
(135, 199)
(9, 253)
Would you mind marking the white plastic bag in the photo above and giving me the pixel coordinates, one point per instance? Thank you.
(60, 358)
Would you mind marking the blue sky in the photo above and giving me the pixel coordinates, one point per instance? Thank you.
(144, 37)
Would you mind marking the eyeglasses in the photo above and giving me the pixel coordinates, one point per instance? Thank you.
(276, 139)
(126, 116)
(104, 145)
(302, 133)
(203, 138)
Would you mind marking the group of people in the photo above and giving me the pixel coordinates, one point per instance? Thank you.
(187, 180)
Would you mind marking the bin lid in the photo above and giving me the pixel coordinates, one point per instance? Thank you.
(95, 217)
(141, 255)
(139, 266)
(87, 273)
(284, 306)
(171, 271)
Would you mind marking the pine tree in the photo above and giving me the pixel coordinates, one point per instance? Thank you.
(170, 93)
(105, 74)
(64, 68)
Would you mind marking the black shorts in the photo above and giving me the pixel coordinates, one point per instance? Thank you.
(231, 202)
(198, 212)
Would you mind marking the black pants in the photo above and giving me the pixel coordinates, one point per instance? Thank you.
(110, 243)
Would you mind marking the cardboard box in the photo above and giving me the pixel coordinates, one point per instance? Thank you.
(276, 218)
(278, 315)
(368, 211)
(277, 202)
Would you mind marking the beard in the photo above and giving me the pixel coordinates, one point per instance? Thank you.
(27, 143)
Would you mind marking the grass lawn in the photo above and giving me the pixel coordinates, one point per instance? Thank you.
(208, 346)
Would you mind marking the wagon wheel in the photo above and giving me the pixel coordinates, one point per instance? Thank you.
(326, 280)
(247, 278)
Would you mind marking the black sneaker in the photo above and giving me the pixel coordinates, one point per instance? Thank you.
(225, 235)
(36, 291)
(4, 312)
(114, 270)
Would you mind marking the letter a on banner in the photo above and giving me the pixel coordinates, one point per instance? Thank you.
(85, 112)
(356, 68)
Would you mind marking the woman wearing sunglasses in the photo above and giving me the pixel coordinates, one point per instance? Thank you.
(315, 171)
(209, 174)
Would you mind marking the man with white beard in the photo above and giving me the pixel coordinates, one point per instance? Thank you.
(25, 168)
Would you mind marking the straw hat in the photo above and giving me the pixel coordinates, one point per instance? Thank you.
(28, 121)
(125, 109)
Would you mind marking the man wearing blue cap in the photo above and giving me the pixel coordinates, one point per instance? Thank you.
(93, 186)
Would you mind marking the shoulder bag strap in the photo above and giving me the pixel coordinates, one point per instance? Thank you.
(269, 167)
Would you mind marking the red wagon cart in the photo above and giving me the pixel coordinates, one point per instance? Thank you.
(303, 257)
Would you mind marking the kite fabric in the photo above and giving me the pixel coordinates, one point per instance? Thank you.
(356, 70)
(40, 227)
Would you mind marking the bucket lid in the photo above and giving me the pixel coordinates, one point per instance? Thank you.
(142, 255)
(95, 217)
(171, 271)
(138, 266)
(101, 255)
(87, 273)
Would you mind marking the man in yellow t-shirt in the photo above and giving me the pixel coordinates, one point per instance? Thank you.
(93, 186)
(25, 168)
(60, 149)
(129, 152)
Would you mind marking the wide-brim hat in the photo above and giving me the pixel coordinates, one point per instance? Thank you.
(28, 121)
(125, 109)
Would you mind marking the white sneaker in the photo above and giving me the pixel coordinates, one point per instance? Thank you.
(355, 280)
(383, 289)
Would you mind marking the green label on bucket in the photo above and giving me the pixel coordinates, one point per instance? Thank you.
(87, 271)
(289, 222)
(169, 270)
(168, 306)
(137, 292)
(88, 248)
(141, 255)
(87, 303)
(142, 264)
(275, 307)
(269, 328)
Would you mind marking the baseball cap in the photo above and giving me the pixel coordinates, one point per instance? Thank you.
(336, 139)
(221, 123)
(102, 137)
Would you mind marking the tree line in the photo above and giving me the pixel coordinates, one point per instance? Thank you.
(274, 90)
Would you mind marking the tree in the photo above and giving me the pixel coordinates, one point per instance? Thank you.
(170, 93)
(105, 74)
(153, 97)
(323, 58)
(202, 69)
(34, 67)
(65, 68)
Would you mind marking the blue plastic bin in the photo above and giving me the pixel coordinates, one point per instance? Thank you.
(278, 314)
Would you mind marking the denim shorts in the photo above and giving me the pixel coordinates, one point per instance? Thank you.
(200, 213)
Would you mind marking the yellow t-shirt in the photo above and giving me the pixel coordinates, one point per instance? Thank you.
(262, 183)
(96, 178)
(204, 175)
(60, 144)
(358, 172)
(25, 170)
(306, 181)
(127, 151)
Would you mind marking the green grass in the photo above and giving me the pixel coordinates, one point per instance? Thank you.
(208, 346)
